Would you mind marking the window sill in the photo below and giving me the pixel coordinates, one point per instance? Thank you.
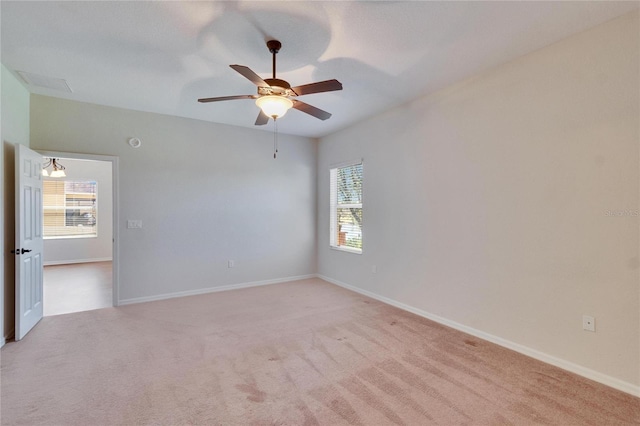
(69, 237)
(347, 249)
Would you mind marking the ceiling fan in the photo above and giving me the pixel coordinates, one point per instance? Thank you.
(275, 97)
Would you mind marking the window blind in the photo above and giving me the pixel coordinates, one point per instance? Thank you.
(69, 208)
(346, 207)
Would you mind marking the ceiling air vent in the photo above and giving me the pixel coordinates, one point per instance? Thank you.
(45, 82)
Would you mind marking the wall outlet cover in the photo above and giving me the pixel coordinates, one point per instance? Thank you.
(588, 323)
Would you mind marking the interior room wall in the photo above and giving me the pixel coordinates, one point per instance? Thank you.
(205, 193)
(92, 249)
(14, 114)
(508, 204)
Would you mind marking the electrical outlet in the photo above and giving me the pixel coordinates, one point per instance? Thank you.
(588, 323)
(374, 269)
(231, 264)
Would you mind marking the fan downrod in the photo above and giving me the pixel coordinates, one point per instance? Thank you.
(274, 47)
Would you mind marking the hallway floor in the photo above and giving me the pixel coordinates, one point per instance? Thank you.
(77, 287)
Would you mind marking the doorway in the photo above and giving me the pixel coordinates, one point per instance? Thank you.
(77, 287)
(80, 251)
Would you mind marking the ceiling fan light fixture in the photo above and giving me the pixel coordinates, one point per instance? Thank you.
(274, 94)
(58, 169)
(273, 105)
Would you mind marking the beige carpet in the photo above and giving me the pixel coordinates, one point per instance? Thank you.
(299, 353)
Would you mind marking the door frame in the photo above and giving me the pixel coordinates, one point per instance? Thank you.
(115, 232)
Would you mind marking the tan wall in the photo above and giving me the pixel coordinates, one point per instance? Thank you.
(205, 193)
(508, 203)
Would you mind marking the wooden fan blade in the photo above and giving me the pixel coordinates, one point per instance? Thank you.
(227, 98)
(262, 119)
(321, 86)
(311, 110)
(250, 75)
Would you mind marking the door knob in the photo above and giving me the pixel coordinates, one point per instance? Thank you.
(23, 251)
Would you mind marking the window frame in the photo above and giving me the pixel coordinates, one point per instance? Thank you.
(334, 206)
(64, 208)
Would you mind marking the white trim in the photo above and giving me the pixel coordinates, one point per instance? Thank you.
(70, 262)
(347, 249)
(2, 341)
(212, 289)
(346, 163)
(70, 237)
(115, 232)
(334, 206)
(613, 382)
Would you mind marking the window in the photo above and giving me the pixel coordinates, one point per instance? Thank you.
(346, 207)
(69, 208)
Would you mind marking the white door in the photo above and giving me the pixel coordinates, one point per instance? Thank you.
(28, 248)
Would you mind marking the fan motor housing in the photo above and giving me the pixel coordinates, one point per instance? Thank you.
(276, 82)
(276, 87)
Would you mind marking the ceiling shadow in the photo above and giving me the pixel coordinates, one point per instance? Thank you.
(240, 36)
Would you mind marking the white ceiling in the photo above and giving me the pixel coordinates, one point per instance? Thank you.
(162, 56)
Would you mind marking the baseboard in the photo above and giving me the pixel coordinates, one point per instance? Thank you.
(70, 262)
(212, 290)
(533, 353)
(2, 341)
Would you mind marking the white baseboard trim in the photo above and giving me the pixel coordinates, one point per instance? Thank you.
(70, 262)
(212, 290)
(533, 353)
(2, 341)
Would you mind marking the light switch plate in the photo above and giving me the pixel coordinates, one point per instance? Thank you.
(134, 224)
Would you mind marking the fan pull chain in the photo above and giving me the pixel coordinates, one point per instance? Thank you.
(275, 137)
